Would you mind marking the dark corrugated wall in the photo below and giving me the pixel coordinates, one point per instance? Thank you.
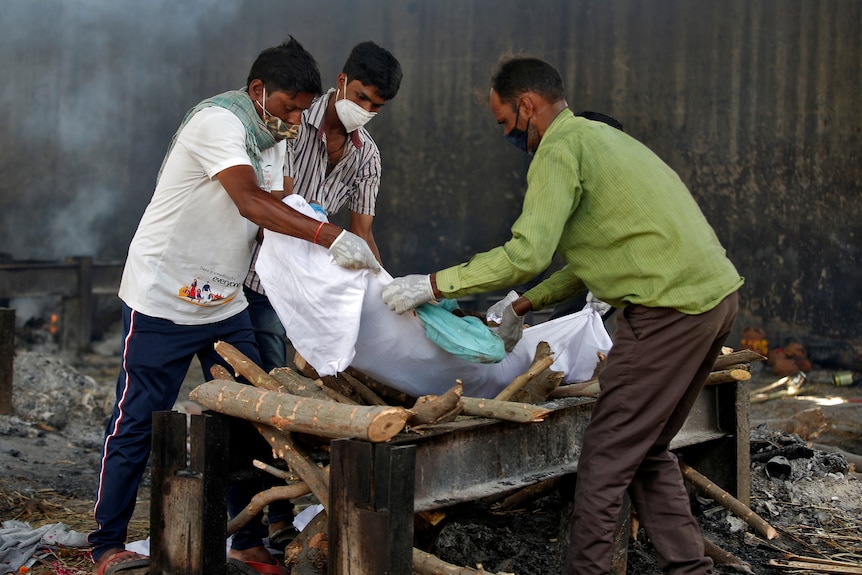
(754, 103)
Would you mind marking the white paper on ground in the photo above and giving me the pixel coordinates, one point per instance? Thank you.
(336, 318)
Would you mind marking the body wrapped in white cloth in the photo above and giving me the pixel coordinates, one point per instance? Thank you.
(336, 318)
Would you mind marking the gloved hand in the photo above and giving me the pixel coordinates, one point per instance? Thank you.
(511, 328)
(495, 312)
(351, 251)
(597, 304)
(405, 293)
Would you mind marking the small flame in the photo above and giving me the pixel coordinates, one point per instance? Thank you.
(52, 328)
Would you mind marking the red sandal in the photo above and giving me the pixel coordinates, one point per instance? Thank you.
(124, 561)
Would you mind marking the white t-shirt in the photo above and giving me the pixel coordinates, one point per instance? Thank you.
(192, 248)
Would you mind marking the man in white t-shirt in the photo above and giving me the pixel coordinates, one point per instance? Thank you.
(182, 283)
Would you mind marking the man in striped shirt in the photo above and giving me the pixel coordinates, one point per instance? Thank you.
(632, 234)
(333, 162)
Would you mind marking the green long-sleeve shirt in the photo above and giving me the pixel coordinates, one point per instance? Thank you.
(621, 218)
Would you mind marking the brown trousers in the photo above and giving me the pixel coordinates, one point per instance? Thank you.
(654, 373)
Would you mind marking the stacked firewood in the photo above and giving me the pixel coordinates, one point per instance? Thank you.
(285, 405)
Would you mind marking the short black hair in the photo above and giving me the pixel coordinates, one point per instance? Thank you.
(516, 75)
(374, 66)
(287, 67)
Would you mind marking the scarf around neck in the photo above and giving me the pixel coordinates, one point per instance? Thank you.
(240, 104)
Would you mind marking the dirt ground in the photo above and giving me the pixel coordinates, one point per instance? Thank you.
(49, 450)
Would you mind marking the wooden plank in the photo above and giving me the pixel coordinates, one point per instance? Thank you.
(7, 354)
(349, 489)
(77, 324)
(371, 509)
(394, 479)
(55, 279)
(188, 506)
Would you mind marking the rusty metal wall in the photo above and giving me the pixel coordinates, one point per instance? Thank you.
(754, 103)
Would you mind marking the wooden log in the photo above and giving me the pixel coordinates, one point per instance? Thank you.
(431, 409)
(741, 356)
(332, 394)
(245, 367)
(816, 565)
(295, 383)
(261, 500)
(304, 414)
(541, 362)
(391, 395)
(721, 557)
(774, 385)
(727, 375)
(274, 471)
(426, 564)
(537, 389)
(221, 372)
(304, 367)
(540, 388)
(367, 395)
(763, 397)
(527, 494)
(732, 504)
(309, 551)
(340, 385)
(504, 410)
(589, 388)
(284, 447)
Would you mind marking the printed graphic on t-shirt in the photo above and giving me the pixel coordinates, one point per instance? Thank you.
(267, 177)
(201, 293)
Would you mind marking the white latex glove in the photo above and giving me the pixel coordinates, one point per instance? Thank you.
(405, 293)
(495, 312)
(351, 251)
(511, 328)
(597, 304)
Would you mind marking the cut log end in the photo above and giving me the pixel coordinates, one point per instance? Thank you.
(387, 424)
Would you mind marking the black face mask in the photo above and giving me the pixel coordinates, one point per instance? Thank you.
(516, 137)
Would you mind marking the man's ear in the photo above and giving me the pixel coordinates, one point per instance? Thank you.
(526, 100)
(341, 82)
(255, 89)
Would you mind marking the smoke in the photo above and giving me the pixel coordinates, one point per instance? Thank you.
(95, 89)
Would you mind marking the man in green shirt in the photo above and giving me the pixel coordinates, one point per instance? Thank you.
(630, 232)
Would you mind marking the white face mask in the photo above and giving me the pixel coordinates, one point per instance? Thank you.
(352, 115)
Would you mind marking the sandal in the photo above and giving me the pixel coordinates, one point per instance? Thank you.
(124, 561)
(281, 538)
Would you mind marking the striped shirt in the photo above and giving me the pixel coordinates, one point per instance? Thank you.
(354, 181)
(624, 222)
